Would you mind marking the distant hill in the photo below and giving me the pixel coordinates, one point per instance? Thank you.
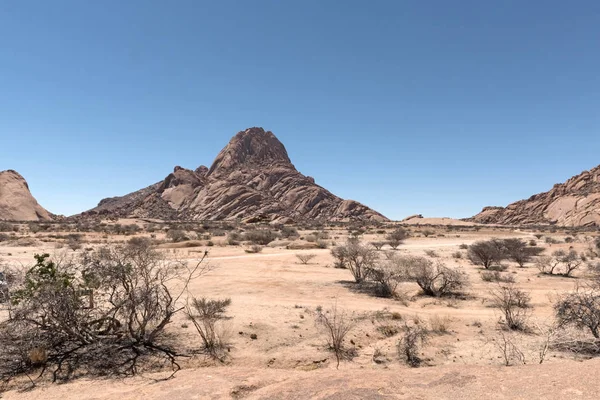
(252, 179)
(573, 203)
(16, 201)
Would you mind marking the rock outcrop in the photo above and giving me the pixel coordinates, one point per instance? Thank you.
(16, 201)
(573, 203)
(252, 179)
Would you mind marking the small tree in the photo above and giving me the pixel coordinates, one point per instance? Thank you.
(518, 251)
(396, 238)
(434, 279)
(305, 258)
(337, 324)
(560, 263)
(514, 305)
(486, 253)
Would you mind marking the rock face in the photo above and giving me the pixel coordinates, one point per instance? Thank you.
(16, 201)
(573, 203)
(252, 178)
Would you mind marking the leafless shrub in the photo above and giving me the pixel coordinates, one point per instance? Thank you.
(560, 263)
(439, 325)
(207, 315)
(514, 304)
(355, 256)
(378, 244)
(396, 238)
(431, 253)
(104, 314)
(337, 324)
(580, 308)
(511, 353)
(434, 279)
(305, 258)
(415, 336)
(388, 275)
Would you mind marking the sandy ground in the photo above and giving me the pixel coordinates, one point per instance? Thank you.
(274, 297)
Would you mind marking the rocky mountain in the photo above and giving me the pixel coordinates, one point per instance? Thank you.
(16, 201)
(252, 178)
(573, 203)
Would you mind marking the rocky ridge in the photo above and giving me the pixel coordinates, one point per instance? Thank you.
(573, 203)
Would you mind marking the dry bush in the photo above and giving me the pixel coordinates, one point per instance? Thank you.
(262, 236)
(207, 316)
(496, 276)
(104, 314)
(388, 275)
(255, 248)
(431, 253)
(439, 325)
(580, 308)
(514, 304)
(396, 238)
(409, 346)
(356, 257)
(560, 263)
(507, 345)
(378, 245)
(434, 279)
(336, 324)
(305, 258)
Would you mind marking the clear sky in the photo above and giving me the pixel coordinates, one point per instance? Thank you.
(433, 107)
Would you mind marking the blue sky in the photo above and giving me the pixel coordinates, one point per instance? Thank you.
(431, 107)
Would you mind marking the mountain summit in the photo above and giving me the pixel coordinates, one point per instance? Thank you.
(253, 147)
(252, 179)
(573, 203)
(16, 201)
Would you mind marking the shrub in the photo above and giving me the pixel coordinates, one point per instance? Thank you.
(439, 324)
(431, 253)
(486, 253)
(305, 258)
(514, 304)
(102, 315)
(415, 336)
(580, 308)
(496, 276)
(234, 238)
(262, 237)
(255, 248)
(177, 235)
(457, 255)
(434, 279)
(388, 275)
(518, 251)
(378, 245)
(396, 238)
(463, 246)
(560, 263)
(207, 315)
(337, 324)
(355, 256)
